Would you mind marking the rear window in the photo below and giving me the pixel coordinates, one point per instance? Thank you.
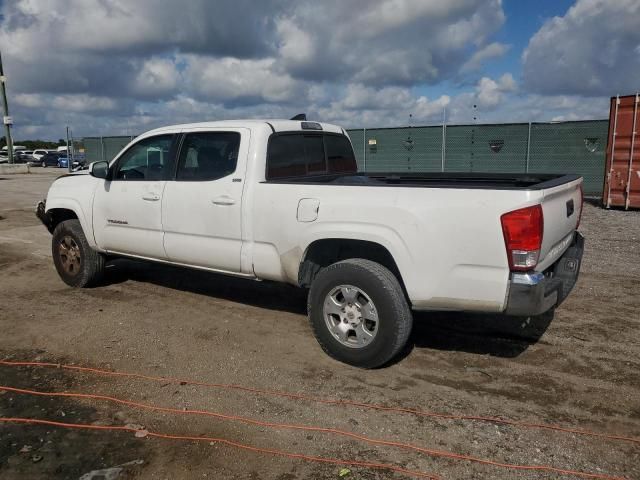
(299, 154)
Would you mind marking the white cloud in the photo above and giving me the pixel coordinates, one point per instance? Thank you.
(490, 93)
(72, 103)
(231, 79)
(480, 57)
(587, 51)
(83, 103)
(295, 44)
(156, 77)
(359, 105)
(117, 66)
(386, 42)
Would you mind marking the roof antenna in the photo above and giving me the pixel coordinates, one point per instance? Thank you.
(300, 116)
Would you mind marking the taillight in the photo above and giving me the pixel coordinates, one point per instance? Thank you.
(523, 231)
(581, 206)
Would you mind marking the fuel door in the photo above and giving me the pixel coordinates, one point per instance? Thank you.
(308, 209)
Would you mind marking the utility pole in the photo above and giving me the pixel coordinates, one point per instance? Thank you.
(444, 137)
(69, 161)
(7, 119)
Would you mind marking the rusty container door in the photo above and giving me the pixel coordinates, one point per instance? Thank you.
(622, 166)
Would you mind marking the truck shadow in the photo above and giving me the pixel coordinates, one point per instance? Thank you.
(269, 295)
(482, 334)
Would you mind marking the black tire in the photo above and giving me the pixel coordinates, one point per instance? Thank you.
(395, 318)
(87, 267)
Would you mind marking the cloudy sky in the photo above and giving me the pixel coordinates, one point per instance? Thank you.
(110, 67)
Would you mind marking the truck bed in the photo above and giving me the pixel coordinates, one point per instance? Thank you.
(485, 181)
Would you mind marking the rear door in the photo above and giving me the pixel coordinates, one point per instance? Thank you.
(202, 207)
(127, 211)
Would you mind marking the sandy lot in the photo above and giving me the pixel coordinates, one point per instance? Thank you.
(579, 368)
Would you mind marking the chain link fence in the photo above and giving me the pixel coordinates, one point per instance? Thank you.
(104, 148)
(566, 147)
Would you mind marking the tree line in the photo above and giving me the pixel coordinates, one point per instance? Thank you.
(33, 144)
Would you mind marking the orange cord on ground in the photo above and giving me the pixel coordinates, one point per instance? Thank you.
(296, 396)
(281, 453)
(435, 453)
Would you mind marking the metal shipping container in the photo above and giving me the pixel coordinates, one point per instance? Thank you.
(622, 166)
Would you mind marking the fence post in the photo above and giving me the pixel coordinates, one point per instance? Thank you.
(526, 165)
(444, 138)
(364, 148)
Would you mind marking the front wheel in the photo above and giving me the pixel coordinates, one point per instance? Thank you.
(76, 262)
(359, 313)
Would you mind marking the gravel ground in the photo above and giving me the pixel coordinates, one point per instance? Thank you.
(578, 368)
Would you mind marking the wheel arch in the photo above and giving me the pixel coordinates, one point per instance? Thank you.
(59, 215)
(321, 253)
(67, 209)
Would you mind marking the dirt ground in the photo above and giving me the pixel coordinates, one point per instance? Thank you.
(578, 368)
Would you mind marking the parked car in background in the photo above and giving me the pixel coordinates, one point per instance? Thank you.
(39, 153)
(63, 162)
(23, 156)
(16, 148)
(18, 153)
(50, 159)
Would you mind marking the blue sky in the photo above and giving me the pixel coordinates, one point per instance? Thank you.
(523, 19)
(116, 66)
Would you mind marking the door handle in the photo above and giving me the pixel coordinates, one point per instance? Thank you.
(151, 197)
(223, 200)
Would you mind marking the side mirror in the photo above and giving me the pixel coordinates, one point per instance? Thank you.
(99, 169)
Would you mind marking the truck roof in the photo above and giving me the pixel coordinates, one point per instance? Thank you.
(278, 125)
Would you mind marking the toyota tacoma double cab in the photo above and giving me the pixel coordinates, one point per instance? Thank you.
(282, 200)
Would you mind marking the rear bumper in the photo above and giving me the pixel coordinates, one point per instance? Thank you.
(534, 293)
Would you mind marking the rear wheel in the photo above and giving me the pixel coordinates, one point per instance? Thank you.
(359, 313)
(76, 262)
(44, 164)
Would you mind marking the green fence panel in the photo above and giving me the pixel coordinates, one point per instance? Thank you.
(571, 147)
(486, 148)
(411, 149)
(113, 145)
(92, 149)
(104, 148)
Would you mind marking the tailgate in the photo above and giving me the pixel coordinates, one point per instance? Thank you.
(561, 208)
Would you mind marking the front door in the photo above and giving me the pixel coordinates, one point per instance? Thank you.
(127, 209)
(202, 207)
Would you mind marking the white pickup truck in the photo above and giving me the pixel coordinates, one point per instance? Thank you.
(282, 200)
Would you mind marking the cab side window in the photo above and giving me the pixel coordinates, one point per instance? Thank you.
(146, 160)
(206, 156)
